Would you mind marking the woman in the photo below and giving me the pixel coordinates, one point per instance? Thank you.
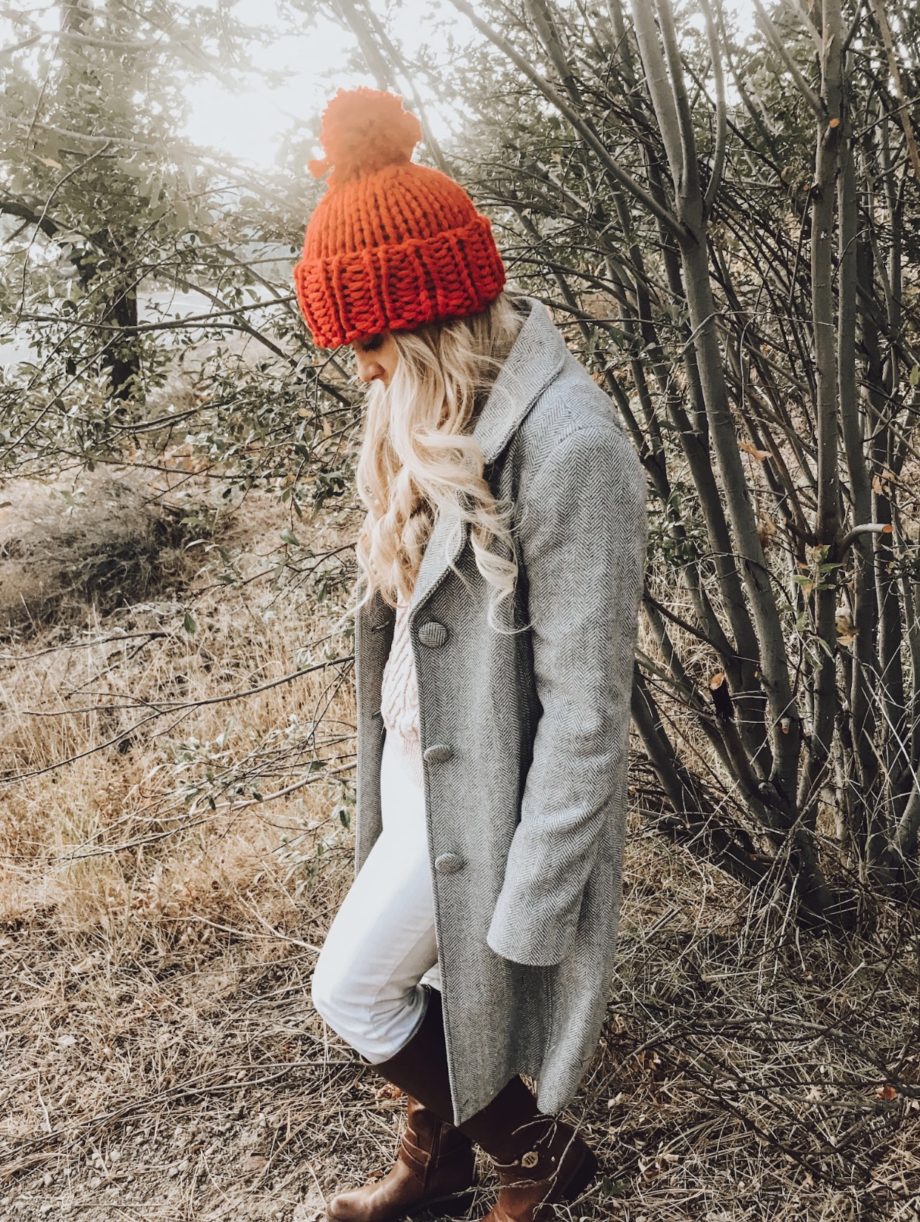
(502, 559)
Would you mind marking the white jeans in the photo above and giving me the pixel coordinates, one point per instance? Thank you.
(368, 979)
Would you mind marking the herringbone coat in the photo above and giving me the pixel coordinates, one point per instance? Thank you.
(524, 736)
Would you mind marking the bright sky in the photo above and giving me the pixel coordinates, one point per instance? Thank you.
(249, 122)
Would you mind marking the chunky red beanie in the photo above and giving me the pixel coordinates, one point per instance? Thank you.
(391, 245)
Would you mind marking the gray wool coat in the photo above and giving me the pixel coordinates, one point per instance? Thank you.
(524, 737)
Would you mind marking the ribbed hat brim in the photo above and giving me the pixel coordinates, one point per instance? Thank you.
(400, 286)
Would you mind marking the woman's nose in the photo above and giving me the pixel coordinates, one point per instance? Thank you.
(369, 369)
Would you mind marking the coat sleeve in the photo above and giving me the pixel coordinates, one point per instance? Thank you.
(582, 538)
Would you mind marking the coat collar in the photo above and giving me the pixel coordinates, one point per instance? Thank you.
(535, 358)
(533, 361)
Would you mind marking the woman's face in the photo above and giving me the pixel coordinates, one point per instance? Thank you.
(376, 356)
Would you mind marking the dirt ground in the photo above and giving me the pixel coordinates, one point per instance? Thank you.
(176, 776)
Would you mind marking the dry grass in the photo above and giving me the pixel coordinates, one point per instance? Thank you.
(101, 539)
(158, 926)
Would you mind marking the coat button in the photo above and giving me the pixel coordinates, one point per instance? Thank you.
(433, 633)
(448, 863)
(438, 752)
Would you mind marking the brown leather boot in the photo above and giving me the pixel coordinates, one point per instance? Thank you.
(558, 1166)
(435, 1163)
(539, 1159)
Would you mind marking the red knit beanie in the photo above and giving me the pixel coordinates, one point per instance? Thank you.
(391, 245)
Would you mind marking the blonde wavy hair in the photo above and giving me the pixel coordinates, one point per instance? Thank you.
(417, 458)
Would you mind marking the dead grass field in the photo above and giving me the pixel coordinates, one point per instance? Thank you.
(162, 900)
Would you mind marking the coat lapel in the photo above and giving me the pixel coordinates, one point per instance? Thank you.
(535, 358)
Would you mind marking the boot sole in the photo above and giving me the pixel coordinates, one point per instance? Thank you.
(457, 1201)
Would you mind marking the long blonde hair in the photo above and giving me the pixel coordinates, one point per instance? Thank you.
(417, 458)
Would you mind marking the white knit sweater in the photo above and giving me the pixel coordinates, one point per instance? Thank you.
(399, 693)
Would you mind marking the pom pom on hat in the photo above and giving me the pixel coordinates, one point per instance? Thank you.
(364, 130)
